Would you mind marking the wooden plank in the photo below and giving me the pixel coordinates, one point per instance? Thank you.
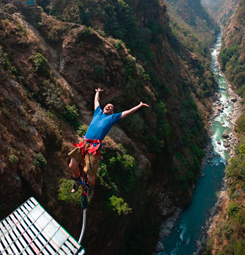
(28, 251)
(27, 207)
(1, 248)
(31, 235)
(23, 210)
(11, 244)
(34, 230)
(15, 215)
(53, 245)
(19, 246)
(74, 242)
(30, 204)
(44, 252)
(21, 214)
(22, 242)
(6, 245)
(42, 239)
(50, 249)
(30, 243)
(70, 245)
(65, 249)
(34, 201)
(61, 252)
(28, 222)
(17, 242)
(17, 232)
(14, 249)
(10, 221)
(24, 226)
(6, 225)
(38, 244)
(3, 229)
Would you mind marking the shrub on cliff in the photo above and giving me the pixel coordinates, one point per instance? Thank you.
(117, 204)
(40, 161)
(41, 65)
(65, 194)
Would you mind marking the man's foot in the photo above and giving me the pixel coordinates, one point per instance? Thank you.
(90, 191)
(76, 185)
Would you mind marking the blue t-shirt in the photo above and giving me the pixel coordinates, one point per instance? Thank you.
(101, 124)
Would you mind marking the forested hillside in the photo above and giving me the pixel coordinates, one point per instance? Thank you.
(191, 16)
(228, 236)
(52, 58)
(221, 10)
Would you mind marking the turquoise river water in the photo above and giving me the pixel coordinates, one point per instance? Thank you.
(187, 230)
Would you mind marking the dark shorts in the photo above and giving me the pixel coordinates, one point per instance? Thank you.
(91, 161)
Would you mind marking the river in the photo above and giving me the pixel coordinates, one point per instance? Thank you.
(186, 233)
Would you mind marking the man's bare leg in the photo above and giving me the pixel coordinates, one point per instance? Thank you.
(91, 180)
(76, 174)
(74, 168)
(90, 186)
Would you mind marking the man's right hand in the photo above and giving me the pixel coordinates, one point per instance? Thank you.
(99, 90)
(97, 97)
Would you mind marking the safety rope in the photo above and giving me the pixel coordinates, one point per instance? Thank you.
(91, 149)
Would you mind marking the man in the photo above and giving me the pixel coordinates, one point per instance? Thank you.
(99, 127)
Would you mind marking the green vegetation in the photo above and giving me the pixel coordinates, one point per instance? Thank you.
(82, 130)
(232, 58)
(13, 159)
(118, 204)
(4, 59)
(65, 194)
(84, 15)
(41, 65)
(121, 24)
(40, 161)
(71, 113)
(118, 170)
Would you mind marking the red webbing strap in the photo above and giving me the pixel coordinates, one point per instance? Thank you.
(92, 149)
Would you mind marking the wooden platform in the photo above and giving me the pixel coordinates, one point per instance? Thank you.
(31, 230)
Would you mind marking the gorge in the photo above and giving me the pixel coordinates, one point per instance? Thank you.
(189, 234)
(52, 58)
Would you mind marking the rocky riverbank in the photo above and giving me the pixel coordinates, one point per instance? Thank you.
(166, 228)
(229, 141)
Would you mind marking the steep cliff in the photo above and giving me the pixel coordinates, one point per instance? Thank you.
(221, 10)
(49, 70)
(193, 16)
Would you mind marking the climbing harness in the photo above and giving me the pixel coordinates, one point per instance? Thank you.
(84, 200)
(91, 149)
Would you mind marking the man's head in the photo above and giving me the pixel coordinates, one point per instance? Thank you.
(108, 109)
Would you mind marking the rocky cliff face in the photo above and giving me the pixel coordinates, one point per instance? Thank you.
(193, 15)
(221, 10)
(49, 69)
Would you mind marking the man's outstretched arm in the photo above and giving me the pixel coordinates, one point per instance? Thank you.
(133, 110)
(97, 97)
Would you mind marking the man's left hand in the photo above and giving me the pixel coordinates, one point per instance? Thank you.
(143, 104)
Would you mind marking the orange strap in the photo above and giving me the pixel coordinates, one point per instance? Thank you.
(91, 149)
